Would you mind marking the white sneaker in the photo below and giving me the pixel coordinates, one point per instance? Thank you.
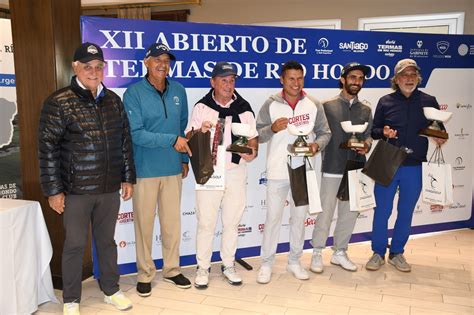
(264, 275)
(317, 262)
(232, 276)
(119, 300)
(339, 258)
(71, 309)
(298, 272)
(202, 278)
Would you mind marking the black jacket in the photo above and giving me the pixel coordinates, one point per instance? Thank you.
(84, 144)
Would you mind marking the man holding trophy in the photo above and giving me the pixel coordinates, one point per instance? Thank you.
(342, 148)
(291, 107)
(399, 117)
(231, 121)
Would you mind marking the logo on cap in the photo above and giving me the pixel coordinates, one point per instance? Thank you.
(92, 50)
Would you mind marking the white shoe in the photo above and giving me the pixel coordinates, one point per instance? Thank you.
(202, 278)
(119, 300)
(339, 258)
(264, 275)
(317, 262)
(71, 309)
(232, 276)
(298, 272)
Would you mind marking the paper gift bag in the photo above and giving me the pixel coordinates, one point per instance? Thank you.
(298, 185)
(314, 199)
(201, 159)
(361, 191)
(384, 162)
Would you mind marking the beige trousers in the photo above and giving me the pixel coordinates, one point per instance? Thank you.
(232, 201)
(166, 193)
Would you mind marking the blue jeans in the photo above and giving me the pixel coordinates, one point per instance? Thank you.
(408, 180)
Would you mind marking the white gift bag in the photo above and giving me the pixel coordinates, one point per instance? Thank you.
(437, 181)
(314, 199)
(361, 191)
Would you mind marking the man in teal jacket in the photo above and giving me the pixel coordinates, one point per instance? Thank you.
(157, 109)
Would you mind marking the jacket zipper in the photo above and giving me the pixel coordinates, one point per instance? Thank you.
(99, 112)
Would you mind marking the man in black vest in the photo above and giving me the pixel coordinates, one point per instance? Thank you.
(217, 111)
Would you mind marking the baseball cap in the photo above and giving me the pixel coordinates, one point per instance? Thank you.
(355, 66)
(223, 69)
(158, 49)
(87, 52)
(405, 63)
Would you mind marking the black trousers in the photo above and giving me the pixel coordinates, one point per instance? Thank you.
(101, 211)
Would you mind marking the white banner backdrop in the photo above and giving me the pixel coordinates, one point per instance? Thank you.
(448, 75)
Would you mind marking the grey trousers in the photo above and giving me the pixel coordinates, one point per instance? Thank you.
(81, 210)
(346, 219)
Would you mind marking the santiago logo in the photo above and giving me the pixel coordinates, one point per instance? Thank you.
(354, 47)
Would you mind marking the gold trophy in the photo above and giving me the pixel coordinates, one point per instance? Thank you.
(300, 147)
(437, 119)
(353, 142)
(243, 131)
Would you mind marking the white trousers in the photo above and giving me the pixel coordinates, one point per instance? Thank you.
(232, 201)
(277, 194)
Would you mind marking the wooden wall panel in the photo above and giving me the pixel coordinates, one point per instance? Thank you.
(45, 35)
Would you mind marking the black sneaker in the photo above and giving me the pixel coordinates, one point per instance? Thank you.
(144, 289)
(180, 281)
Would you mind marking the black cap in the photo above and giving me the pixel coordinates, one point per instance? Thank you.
(355, 66)
(87, 52)
(223, 69)
(158, 49)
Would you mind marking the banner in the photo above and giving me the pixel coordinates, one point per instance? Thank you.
(447, 64)
(10, 176)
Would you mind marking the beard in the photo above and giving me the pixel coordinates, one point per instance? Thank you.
(352, 89)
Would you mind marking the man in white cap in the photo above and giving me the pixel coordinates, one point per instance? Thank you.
(398, 118)
(344, 107)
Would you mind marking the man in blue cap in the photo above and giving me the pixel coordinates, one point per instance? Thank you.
(157, 109)
(85, 155)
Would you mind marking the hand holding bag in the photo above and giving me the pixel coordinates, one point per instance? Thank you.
(384, 162)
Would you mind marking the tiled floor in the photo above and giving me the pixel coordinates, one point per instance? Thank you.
(441, 282)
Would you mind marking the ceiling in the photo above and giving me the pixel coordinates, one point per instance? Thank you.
(96, 3)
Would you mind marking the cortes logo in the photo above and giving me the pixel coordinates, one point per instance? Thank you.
(436, 208)
(125, 217)
(354, 47)
(261, 227)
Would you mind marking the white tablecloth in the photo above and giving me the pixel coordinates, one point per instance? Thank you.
(25, 276)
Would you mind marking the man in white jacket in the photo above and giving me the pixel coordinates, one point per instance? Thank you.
(290, 106)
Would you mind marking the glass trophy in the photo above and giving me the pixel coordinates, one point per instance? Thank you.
(437, 119)
(353, 142)
(243, 131)
(300, 147)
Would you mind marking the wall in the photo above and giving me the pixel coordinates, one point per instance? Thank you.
(349, 11)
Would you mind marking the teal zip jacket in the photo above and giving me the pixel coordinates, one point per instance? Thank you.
(156, 120)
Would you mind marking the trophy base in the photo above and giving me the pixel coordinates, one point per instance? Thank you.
(234, 148)
(300, 151)
(353, 145)
(427, 132)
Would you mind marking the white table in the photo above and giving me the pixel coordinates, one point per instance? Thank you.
(25, 276)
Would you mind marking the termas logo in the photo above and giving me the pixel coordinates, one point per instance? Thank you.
(299, 120)
(354, 47)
